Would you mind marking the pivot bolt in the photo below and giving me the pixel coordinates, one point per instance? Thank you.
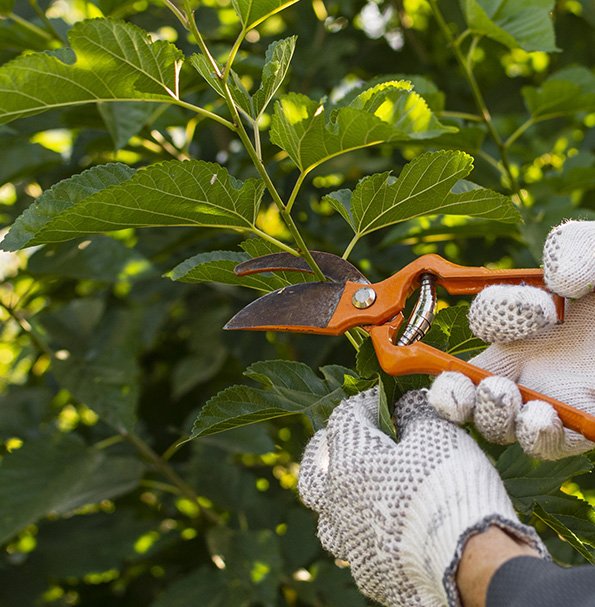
(363, 298)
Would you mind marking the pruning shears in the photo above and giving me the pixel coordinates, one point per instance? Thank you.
(349, 300)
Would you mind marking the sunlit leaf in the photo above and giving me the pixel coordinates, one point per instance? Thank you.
(47, 476)
(289, 388)
(387, 112)
(430, 184)
(108, 61)
(526, 23)
(253, 12)
(174, 193)
(571, 518)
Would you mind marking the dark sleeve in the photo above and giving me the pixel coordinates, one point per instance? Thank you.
(527, 581)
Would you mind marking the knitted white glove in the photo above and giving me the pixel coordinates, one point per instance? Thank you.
(530, 349)
(401, 513)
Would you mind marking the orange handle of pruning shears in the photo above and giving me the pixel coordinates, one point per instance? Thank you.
(421, 358)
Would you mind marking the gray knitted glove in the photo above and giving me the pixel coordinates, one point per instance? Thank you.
(401, 513)
(530, 349)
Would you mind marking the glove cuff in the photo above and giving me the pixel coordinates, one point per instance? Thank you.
(517, 530)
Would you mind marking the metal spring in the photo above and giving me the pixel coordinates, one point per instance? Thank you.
(423, 314)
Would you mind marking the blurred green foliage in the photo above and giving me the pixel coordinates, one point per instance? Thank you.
(112, 352)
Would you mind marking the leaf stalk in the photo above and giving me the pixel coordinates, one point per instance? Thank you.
(466, 66)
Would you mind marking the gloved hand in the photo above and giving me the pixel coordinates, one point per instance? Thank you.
(529, 348)
(401, 513)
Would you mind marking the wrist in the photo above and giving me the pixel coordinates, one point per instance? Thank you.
(484, 553)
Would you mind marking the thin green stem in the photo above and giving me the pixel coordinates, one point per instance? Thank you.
(191, 25)
(462, 37)
(295, 191)
(528, 123)
(178, 13)
(199, 110)
(159, 486)
(478, 97)
(257, 145)
(108, 442)
(48, 24)
(461, 115)
(277, 243)
(352, 340)
(239, 128)
(350, 246)
(232, 55)
(490, 160)
(30, 26)
(164, 468)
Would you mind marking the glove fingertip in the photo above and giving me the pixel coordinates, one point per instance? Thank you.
(452, 396)
(506, 313)
(569, 259)
(498, 403)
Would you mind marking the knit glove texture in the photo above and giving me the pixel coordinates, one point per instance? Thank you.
(400, 513)
(529, 348)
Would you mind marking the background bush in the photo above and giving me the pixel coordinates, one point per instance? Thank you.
(111, 346)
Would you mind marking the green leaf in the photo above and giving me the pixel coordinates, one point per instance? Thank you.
(460, 339)
(6, 7)
(175, 193)
(289, 387)
(578, 173)
(101, 258)
(526, 479)
(96, 356)
(387, 112)
(566, 92)
(105, 382)
(109, 61)
(19, 158)
(563, 531)
(571, 518)
(61, 197)
(253, 12)
(385, 422)
(124, 119)
(61, 475)
(252, 564)
(277, 60)
(526, 23)
(433, 96)
(429, 184)
(218, 266)
(205, 587)
(78, 545)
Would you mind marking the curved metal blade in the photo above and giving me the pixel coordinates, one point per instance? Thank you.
(309, 305)
(335, 268)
